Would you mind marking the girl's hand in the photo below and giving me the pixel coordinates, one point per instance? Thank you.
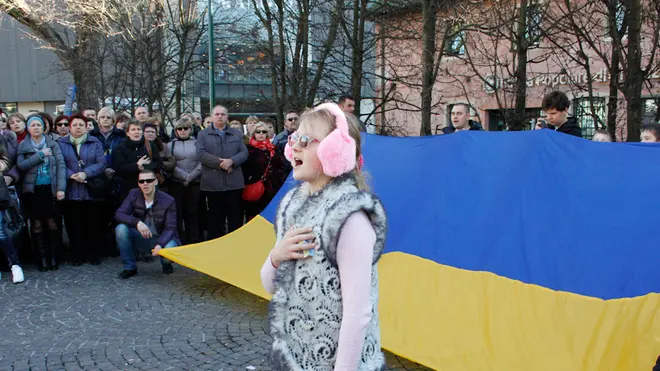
(290, 248)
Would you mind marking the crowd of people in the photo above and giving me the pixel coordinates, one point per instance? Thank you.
(123, 185)
(90, 173)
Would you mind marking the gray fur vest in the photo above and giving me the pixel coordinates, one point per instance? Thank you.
(306, 309)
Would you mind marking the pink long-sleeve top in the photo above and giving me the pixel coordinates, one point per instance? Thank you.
(355, 249)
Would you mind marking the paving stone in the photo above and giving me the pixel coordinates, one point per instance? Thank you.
(85, 318)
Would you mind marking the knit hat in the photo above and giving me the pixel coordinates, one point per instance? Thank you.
(37, 119)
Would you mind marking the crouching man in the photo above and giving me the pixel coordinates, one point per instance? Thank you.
(146, 221)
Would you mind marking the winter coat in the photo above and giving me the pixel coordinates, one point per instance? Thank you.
(12, 153)
(281, 138)
(93, 164)
(125, 158)
(255, 166)
(133, 210)
(211, 146)
(29, 160)
(570, 127)
(110, 144)
(188, 168)
(5, 159)
(169, 162)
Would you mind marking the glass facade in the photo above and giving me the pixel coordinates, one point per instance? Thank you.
(588, 119)
(9, 108)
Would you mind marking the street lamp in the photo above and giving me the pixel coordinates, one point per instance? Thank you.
(211, 60)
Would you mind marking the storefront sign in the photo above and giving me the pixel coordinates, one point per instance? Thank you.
(601, 75)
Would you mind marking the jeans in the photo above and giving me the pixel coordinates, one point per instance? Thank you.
(6, 244)
(129, 240)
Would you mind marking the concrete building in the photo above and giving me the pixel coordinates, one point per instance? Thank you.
(31, 77)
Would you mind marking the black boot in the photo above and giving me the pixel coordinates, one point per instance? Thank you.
(39, 240)
(55, 247)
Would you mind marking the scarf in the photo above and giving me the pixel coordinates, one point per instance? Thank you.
(20, 137)
(78, 142)
(38, 146)
(266, 145)
(43, 170)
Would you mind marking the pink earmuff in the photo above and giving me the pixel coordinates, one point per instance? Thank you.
(288, 152)
(337, 151)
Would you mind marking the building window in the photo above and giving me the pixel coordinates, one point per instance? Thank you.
(619, 16)
(499, 119)
(455, 44)
(651, 111)
(534, 19)
(587, 119)
(9, 108)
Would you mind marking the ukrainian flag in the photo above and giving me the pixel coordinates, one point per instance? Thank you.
(506, 251)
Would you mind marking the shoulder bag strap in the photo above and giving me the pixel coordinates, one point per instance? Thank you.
(267, 168)
(75, 151)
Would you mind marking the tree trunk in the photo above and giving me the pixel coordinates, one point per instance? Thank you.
(634, 72)
(613, 100)
(518, 119)
(279, 108)
(428, 52)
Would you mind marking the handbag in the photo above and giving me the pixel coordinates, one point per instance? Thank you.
(253, 192)
(97, 186)
(5, 197)
(159, 175)
(12, 217)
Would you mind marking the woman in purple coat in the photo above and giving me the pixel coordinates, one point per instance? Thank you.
(84, 158)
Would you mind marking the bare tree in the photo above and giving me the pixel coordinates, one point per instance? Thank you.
(619, 35)
(291, 28)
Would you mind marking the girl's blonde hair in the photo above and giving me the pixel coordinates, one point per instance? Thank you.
(311, 116)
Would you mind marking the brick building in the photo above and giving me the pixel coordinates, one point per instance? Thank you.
(479, 60)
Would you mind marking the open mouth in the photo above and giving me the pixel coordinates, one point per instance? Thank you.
(297, 162)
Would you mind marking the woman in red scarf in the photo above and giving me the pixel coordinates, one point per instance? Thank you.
(264, 164)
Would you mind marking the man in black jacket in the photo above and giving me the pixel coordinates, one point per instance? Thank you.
(555, 105)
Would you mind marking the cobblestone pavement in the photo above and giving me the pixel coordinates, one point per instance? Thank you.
(85, 318)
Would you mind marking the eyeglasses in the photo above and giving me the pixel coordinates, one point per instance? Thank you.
(182, 129)
(3, 119)
(62, 123)
(292, 119)
(304, 140)
(150, 180)
(150, 132)
(261, 132)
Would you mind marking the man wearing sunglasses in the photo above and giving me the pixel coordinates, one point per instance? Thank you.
(290, 125)
(146, 222)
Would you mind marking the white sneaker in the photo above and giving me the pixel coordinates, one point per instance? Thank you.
(17, 274)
